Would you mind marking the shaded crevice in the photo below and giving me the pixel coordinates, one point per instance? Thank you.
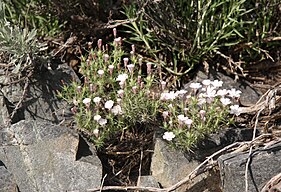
(19, 115)
(83, 149)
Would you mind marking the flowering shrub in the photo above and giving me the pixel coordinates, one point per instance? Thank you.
(117, 96)
(190, 117)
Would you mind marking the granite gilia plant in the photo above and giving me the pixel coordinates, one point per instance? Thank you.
(117, 96)
(189, 118)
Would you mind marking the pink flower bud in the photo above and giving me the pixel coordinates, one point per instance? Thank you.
(163, 85)
(148, 65)
(115, 32)
(140, 62)
(100, 44)
(139, 80)
(131, 68)
(78, 89)
(111, 67)
(142, 85)
(133, 49)
(90, 45)
(134, 88)
(122, 84)
(88, 62)
(86, 80)
(165, 114)
(118, 41)
(126, 60)
(153, 95)
(202, 114)
(74, 110)
(91, 88)
(106, 58)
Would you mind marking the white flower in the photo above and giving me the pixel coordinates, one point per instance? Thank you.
(195, 85)
(210, 92)
(165, 114)
(181, 118)
(96, 132)
(170, 105)
(180, 92)
(102, 121)
(188, 122)
(222, 92)
(225, 101)
(97, 117)
(234, 109)
(217, 83)
(110, 67)
(131, 67)
(163, 85)
(168, 136)
(120, 93)
(168, 96)
(234, 93)
(206, 82)
(108, 104)
(106, 57)
(87, 101)
(201, 101)
(100, 72)
(126, 60)
(116, 110)
(202, 114)
(97, 100)
(122, 77)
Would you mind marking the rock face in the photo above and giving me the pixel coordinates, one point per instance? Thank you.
(7, 181)
(46, 157)
(169, 166)
(265, 163)
(40, 101)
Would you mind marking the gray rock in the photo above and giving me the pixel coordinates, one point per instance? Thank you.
(40, 101)
(169, 166)
(7, 182)
(265, 163)
(147, 181)
(4, 114)
(46, 157)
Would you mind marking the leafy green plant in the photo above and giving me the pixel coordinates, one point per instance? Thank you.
(33, 14)
(181, 34)
(19, 47)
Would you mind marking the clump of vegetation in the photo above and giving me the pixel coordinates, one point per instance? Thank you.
(33, 14)
(117, 95)
(182, 34)
(18, 47)
(189, 118)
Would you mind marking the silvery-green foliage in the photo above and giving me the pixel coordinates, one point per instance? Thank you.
(20, 46)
